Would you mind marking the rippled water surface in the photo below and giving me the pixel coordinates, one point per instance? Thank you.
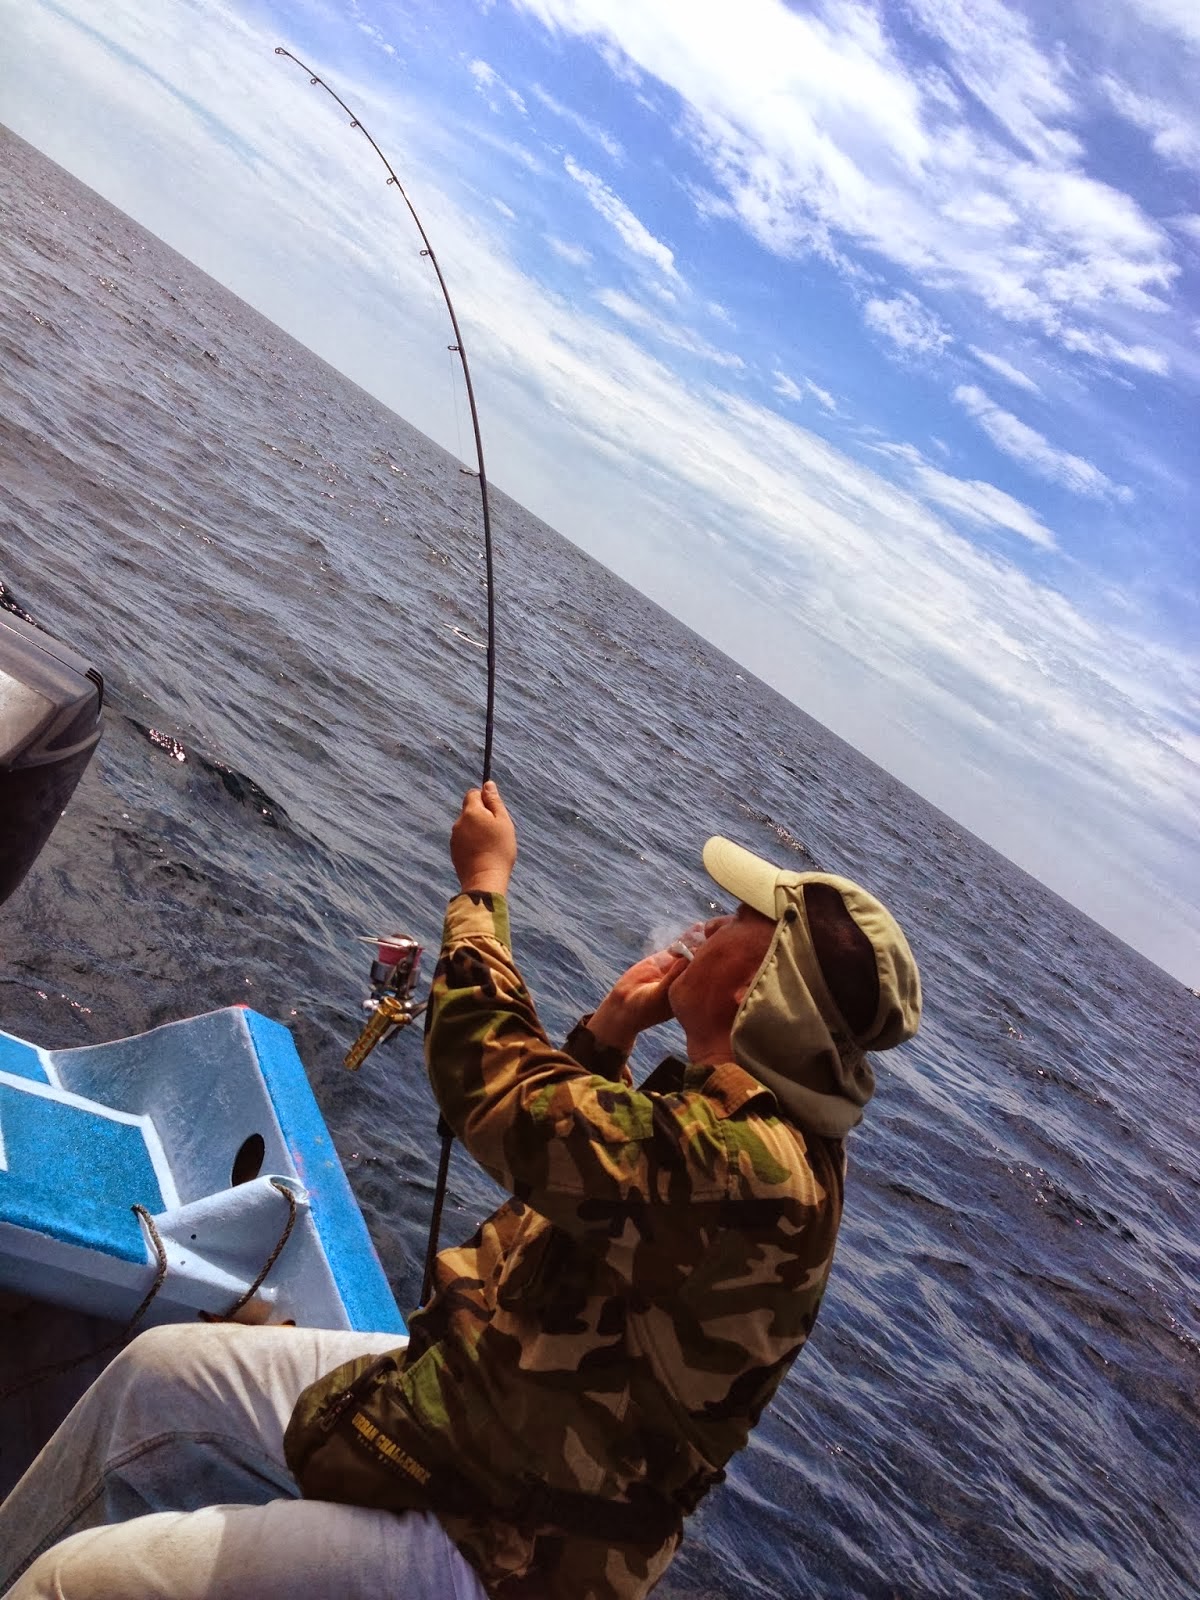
(282, 583)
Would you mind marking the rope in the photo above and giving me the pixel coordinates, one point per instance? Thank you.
(275, 1254)
(458, 349)
(38, 1376)
(160, 1251)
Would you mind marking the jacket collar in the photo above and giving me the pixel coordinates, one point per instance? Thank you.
(727, 1085)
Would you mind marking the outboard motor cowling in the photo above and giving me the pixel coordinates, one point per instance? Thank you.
(50, 702)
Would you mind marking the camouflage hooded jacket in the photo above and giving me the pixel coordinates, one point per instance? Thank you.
(618, 1325)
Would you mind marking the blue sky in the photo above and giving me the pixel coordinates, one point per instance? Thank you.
(865, 338)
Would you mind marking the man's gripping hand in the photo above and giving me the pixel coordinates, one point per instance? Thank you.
(483, 842)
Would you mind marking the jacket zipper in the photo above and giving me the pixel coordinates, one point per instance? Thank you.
(342, 1402)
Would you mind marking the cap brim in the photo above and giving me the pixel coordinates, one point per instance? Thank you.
(742, 874)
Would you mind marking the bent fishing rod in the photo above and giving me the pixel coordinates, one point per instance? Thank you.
(394, 971)
(459, 349)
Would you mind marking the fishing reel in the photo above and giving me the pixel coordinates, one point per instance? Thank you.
(390, 1004)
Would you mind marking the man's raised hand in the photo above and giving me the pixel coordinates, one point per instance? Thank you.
(483, 842)
(637, 1000)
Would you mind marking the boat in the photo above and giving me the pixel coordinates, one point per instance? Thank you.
(181, 1174)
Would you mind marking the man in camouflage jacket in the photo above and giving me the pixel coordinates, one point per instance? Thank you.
(594, 1355)
(591, 1358)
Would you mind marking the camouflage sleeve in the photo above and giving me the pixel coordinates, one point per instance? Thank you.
(542, 1121)
(601, 1060)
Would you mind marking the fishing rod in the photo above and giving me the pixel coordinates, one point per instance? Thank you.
(459, 349)
(394, 971)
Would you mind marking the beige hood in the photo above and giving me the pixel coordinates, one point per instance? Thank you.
(788, 1030)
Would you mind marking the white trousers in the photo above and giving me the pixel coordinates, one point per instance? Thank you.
(167, 1482)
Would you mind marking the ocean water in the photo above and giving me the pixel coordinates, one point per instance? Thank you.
(282, 583)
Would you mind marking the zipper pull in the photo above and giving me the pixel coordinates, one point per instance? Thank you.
(341, 1403)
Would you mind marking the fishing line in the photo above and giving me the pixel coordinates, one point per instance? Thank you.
(458, 430)
(457, 348)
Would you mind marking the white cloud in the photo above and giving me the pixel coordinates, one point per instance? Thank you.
(994, 57)
(621, 67)
(984, 504)
(673, 333)
(634, 234)
(505, 211)
(1005, 369)
(574, 254)
(789, 389)
(908, 324)
(821, 396)
(608, 142)
(514, 150)
(1095, 342)
(900, 452)
(1173, 137)
(490, 84)
(1180, 17)
(1034, 450)
(819, 135)
(377, 38)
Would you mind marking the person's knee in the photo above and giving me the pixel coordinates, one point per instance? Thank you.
(167, 1338)
(157, 1351)
(166, 1357)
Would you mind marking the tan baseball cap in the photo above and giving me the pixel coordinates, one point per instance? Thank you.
(789, 1031)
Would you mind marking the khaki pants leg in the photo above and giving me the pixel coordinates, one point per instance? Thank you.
(285, 1550)
(186, 1417)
